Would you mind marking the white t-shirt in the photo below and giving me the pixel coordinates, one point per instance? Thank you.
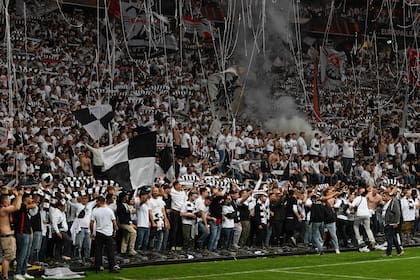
(156, 205)
(178, 199)
(391, 149)
(221, 142)
(228, 223)
(293, 145)
(348, 151)
(408, 209)
(305, 165)
(184, 142)
(103, 217)
(315, 147)
(191, 208)
(362, 208)
(411, 147)
(316, 166)
(302, 147)
(332, 150)
(142, 214)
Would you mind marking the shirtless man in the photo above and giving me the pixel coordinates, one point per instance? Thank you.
(7, 239)
(85, 163)
(374, 200)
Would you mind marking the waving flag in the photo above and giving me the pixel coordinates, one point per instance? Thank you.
(332, 67)
(131, 163)
(414, 67)
(95, 119)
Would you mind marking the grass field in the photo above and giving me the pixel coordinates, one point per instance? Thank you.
(351, 265)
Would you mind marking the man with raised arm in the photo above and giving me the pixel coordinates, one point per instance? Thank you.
(7, 238)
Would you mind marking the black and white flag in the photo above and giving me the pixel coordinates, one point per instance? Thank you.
(131, 163)
(95, 119)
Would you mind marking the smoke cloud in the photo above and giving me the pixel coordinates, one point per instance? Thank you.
(273, 109)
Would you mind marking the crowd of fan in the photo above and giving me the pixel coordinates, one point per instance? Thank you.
(287, 190)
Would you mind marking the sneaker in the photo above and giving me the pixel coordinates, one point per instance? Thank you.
(116, 267)
(337, 251)
(400, 254)
(132, 253)
(372, 244)
(364, 249)
(27, 276)
(66, 258)
(19, 277)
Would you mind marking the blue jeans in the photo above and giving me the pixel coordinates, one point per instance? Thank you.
(203, 232)
(36, 246)
(214, 235)
(307, 237)
(156, 239)
(83, 242)
(142, 240)
(23, 245)
(228, 235)
(317, 228)
(332, 229)
(222, 156)
(268, 236)
(165, 244)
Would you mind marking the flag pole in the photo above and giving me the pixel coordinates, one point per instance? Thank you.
(109, 134)
(315, 98)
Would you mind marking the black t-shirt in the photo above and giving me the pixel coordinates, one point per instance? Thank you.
(317, 212)
(279, 209)
(244, 212)
(35, 219)
(21, 221)
(265, 166)
(168, 202)
(215, 207)
(290, 201)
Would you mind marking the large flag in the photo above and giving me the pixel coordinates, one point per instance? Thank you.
(332, 67)
(95, 119)
(131, 163)
(223, 91)
(202, 26)
(146, 30)
(414, 67)
(114, 8)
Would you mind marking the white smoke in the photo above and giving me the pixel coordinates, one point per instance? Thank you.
(277, 114)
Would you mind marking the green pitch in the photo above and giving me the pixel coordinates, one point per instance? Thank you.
(352, 265)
